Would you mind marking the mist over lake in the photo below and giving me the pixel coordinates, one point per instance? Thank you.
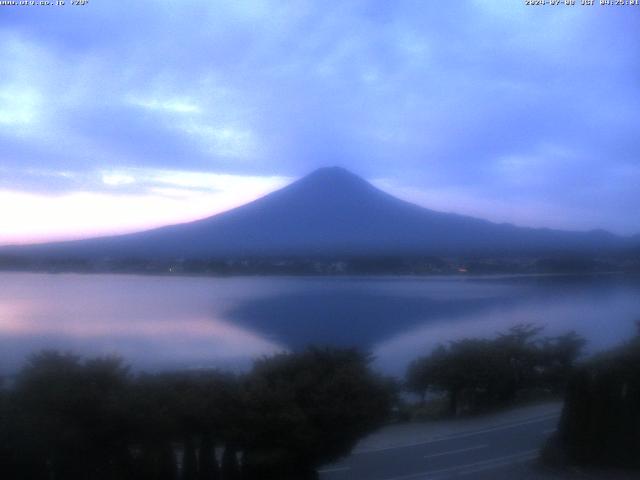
(157, 322)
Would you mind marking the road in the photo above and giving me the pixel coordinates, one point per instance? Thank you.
(500, 448)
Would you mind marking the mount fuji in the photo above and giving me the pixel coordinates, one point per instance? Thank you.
(330, 212)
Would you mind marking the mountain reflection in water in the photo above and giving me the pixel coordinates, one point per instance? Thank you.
(191, 322)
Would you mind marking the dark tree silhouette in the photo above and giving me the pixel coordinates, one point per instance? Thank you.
(600, 423)
(208, 468)
(73, 414)
(75, 419)
(307, 409)
(558, 355)
(478, 374)
(230, 467)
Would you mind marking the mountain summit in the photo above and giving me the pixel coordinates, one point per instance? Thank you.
(330, 212)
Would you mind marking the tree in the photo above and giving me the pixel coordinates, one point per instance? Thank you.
(208, 468)
(600, 423)
(559, 355)
(478, 374)
(193, 411)
(72, 415)
(70, 418)
(307, 409)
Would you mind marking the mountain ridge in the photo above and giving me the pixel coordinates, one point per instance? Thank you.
(331, 211)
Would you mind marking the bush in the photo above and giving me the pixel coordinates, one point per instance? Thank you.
(600, 423)
(480, 374)
(310, 408)
(70, 418)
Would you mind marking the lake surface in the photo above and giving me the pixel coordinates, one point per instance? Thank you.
(193, 322)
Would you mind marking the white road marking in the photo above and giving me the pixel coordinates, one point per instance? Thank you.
(460, 450)
(334, 469)
(549, 430)
(502, 462)
(455, 436)
(474, 467)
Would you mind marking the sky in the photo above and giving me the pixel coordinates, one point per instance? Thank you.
(121, 116)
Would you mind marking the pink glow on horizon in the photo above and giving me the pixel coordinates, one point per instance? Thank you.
(34, 218)
(190, 339)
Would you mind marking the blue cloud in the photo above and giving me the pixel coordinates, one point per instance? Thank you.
(504, 102)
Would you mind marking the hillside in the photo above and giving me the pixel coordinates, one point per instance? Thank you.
(330, 212)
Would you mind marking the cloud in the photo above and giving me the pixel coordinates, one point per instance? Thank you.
(534, 108)
(120, 201)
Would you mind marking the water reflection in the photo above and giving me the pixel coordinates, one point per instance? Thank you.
(354, 317)
(170, 322)
(603, 311)
(154, 323)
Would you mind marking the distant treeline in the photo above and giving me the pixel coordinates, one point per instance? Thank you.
(480, 374)
(65, 418)
(324, 265)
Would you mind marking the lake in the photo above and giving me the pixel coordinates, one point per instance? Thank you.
(158, 322)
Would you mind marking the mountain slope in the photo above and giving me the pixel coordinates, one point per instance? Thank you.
(330, 211)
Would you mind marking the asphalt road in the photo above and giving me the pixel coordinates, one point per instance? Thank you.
(501, 451)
